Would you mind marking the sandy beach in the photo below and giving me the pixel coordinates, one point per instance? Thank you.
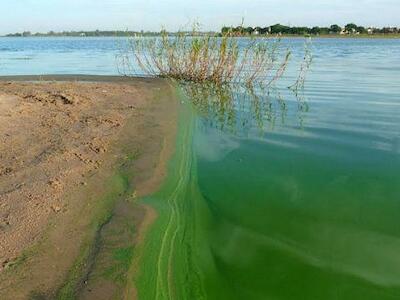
(62, 141)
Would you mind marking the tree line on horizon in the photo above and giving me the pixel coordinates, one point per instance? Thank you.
(98, 33)
(277, 29)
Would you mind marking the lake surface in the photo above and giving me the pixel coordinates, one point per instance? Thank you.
(285, 196)
(59, 55)
(270, 196)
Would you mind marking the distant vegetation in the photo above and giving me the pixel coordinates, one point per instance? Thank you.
(278, 29)
(83, 33)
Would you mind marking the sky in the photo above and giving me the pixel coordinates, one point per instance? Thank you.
(152, 15)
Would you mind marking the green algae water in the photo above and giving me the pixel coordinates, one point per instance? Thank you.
(283, 196)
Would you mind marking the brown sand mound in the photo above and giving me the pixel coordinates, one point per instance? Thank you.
(53, 137)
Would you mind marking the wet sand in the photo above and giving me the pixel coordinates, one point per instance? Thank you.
(72, 150)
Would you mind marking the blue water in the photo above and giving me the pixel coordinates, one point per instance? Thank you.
(341, 59)
(59, 55)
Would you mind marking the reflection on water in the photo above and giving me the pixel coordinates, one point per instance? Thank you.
(238, 109)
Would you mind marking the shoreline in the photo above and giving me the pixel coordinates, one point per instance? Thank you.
(80, 78)
(130, 152)
(323, 36)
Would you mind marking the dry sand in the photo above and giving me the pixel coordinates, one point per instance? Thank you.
(59, 143)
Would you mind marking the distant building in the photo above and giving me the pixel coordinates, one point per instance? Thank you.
(352, 31)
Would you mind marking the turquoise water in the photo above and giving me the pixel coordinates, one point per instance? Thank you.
(271, 195)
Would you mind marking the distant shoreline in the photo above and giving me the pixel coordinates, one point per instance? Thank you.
(350, 30)
(324, 36)
(346, 36)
